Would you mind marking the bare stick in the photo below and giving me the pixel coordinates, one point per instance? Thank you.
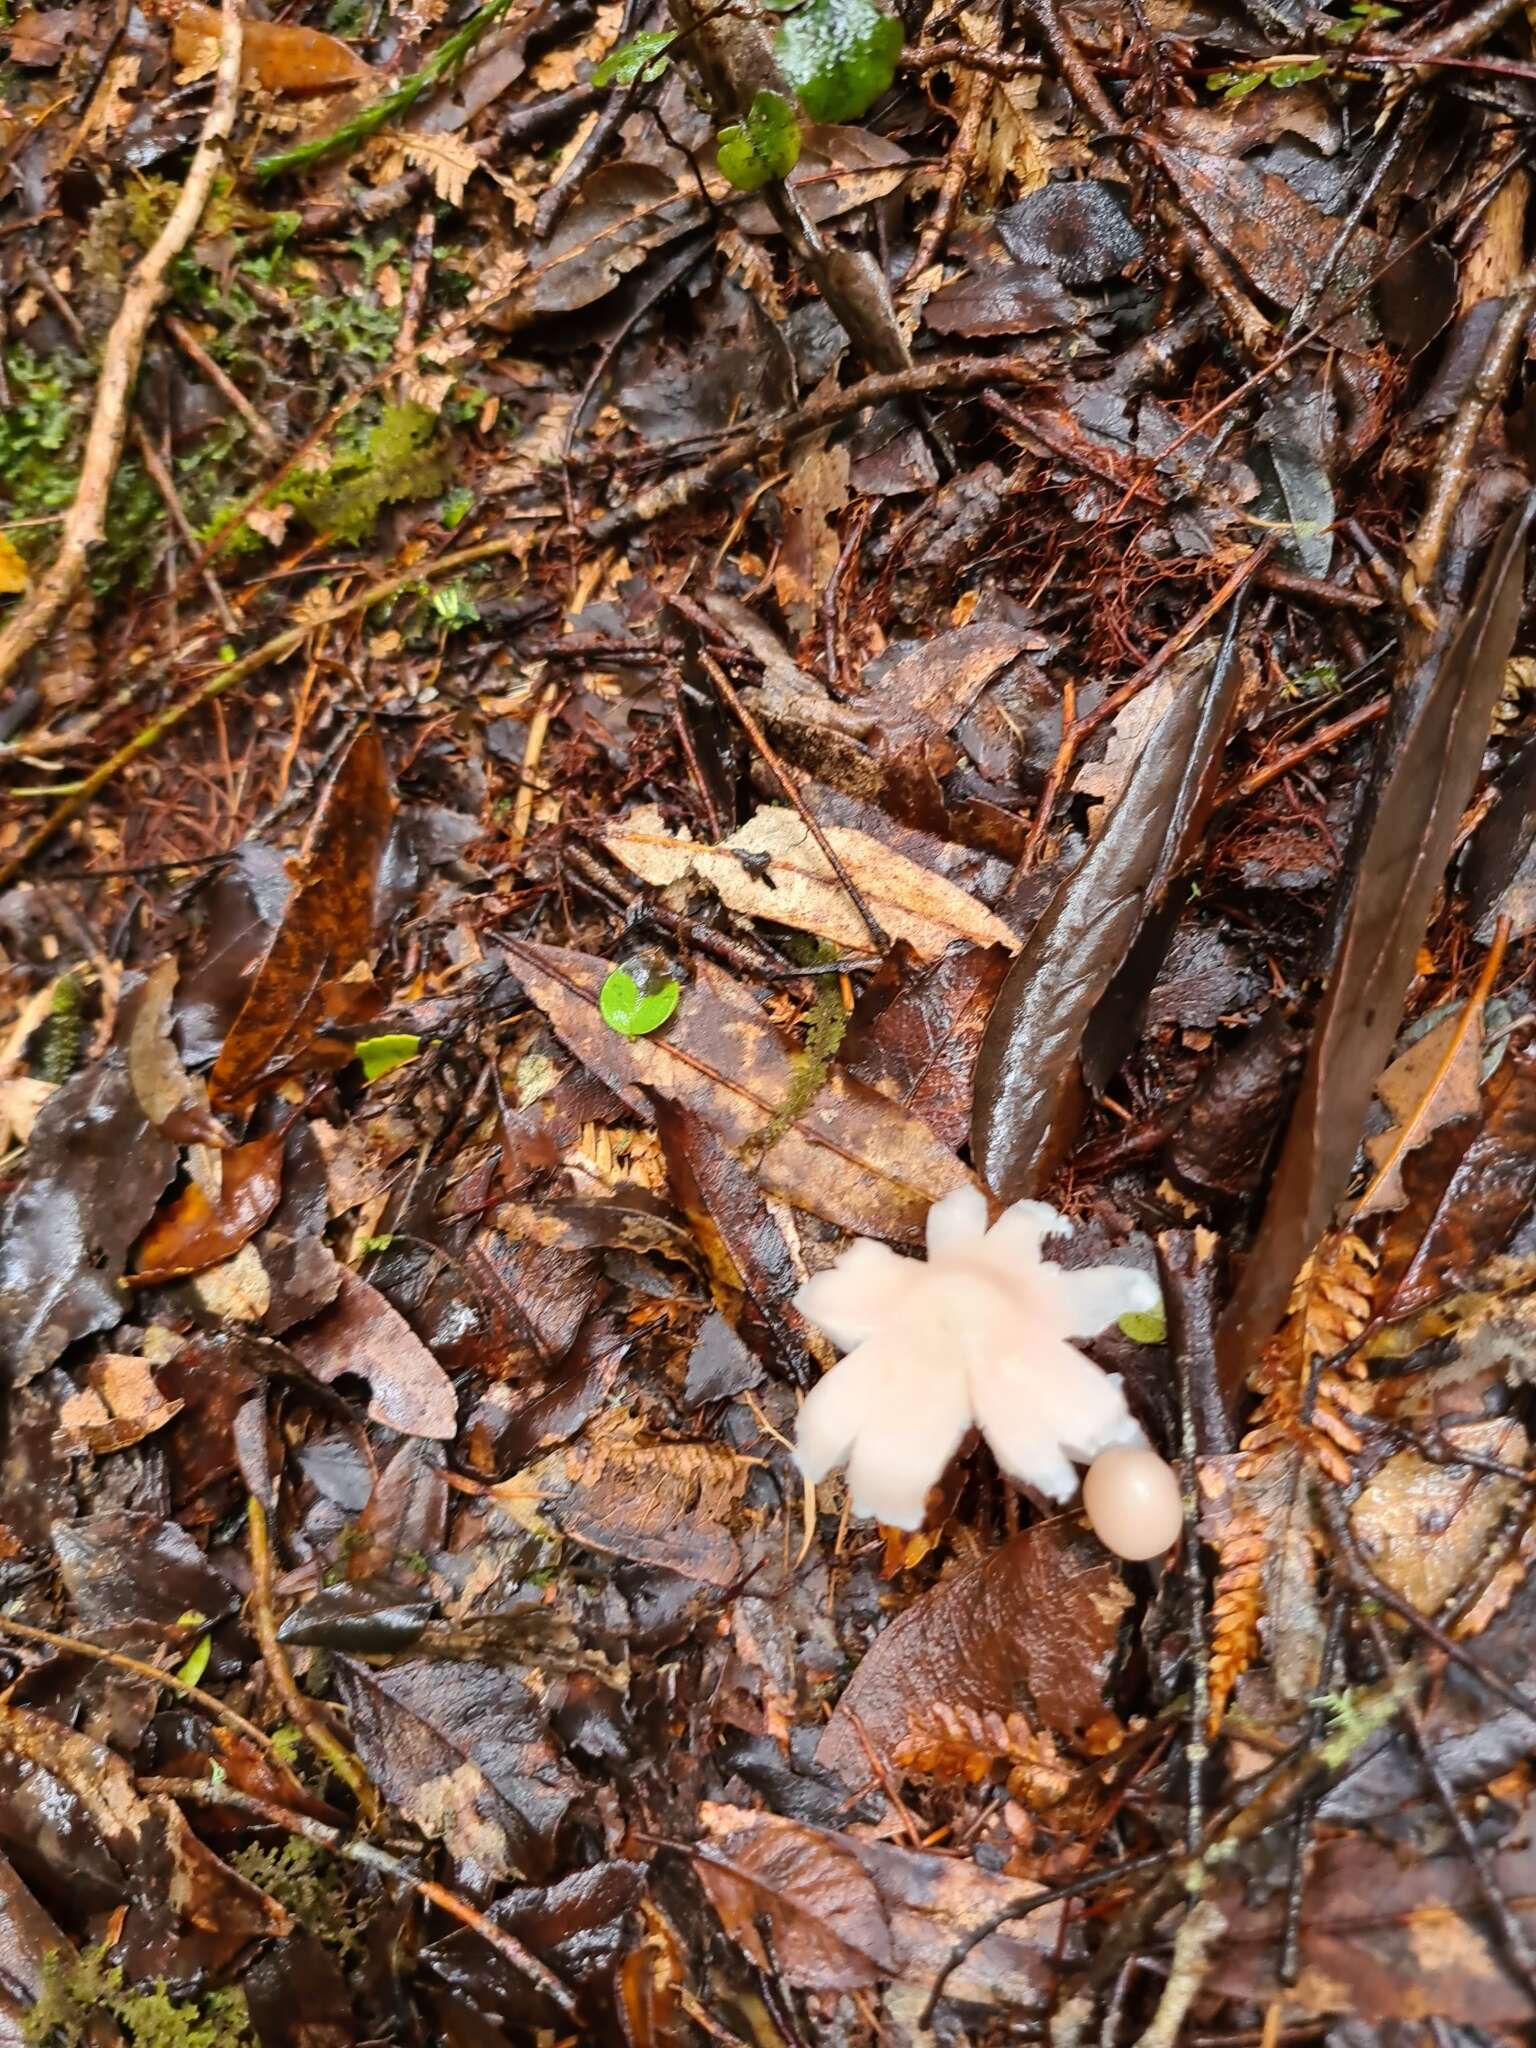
(506, 1945)
(300, 1710)
(75, 1646)
(957, 373)
(85, 521)
(160, 476)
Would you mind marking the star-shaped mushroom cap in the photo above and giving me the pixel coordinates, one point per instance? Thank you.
(982, 1333)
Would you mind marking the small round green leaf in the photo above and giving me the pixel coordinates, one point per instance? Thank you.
(378, 1056)
(629, 1012)
(839, 55)
(765, 146)
(641, 55)
(1145, 1325)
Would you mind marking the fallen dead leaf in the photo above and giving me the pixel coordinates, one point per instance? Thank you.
(773, 867)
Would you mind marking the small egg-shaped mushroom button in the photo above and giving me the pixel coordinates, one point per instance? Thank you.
(1131, 1497)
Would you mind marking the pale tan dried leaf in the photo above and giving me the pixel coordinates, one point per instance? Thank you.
(798, 887)
(1435, 1081)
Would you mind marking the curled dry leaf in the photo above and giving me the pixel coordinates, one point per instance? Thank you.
(119, 1405)
(772, 867)
(849, 1156)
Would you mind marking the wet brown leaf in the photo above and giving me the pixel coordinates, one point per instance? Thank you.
(1041, 1613)
(119, 1405)
(197, 1230)
(850, 1156)
(844, 1913)
(78, 1830)
(95, 1169)
(1465, 1199)
(464, 1752)
(1436, 1081)
(916, 1038)
(361, 1333)
(278, 55)
(1425, 1526)
(315, 975)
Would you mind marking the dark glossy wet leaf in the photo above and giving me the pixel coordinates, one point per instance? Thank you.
(840, 1913)
(1468, 1192)
(839, 55)
(463, 1750)
(95, 1169)
(1296, 437)
(1431, 752)
(1028, 1084)
(82, 1836)
(1078, 232)
(297, 1996)
(367, 1617)
(129, 1572)
(849, 1156)
(361, 1333)
(198, 1228)
(582, 1926)
(622, 214)
(28, 1938)
(314, 980)
(1041, 1612)
(1015, 298)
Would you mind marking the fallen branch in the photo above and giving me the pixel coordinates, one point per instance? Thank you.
(952, 373)
(146, 292)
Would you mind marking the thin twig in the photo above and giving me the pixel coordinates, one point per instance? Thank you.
(222, 382)
(207, 1793)
(160, 476)
(975, 95)
(957, 373)
(300, 1710)
(147, 288)
(75, 1646)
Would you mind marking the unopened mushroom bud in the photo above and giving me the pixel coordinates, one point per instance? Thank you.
(1132, 1501)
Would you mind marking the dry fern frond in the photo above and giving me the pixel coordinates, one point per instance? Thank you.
(1254, 1527)
(960, 1745)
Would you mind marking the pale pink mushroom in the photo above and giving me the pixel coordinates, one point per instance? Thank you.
(980, 1334)
(1132, 1501)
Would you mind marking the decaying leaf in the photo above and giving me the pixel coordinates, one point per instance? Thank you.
(315, 977)
(1424, 1525)
(447, 161)
(464, 1751)
(119, 1405)
(773, 867)
(1437, 1080)
(1042, 1613)
(361, 1333)
(844, 1913)
(850, 1156)
(655, 1503)
(282, 56)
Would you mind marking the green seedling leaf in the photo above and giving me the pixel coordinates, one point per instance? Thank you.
(380, 1056)
(1144, 1325)
(641, 57)
(839, 55)
(191, 1668)
(763, 147)
(632, 1013)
